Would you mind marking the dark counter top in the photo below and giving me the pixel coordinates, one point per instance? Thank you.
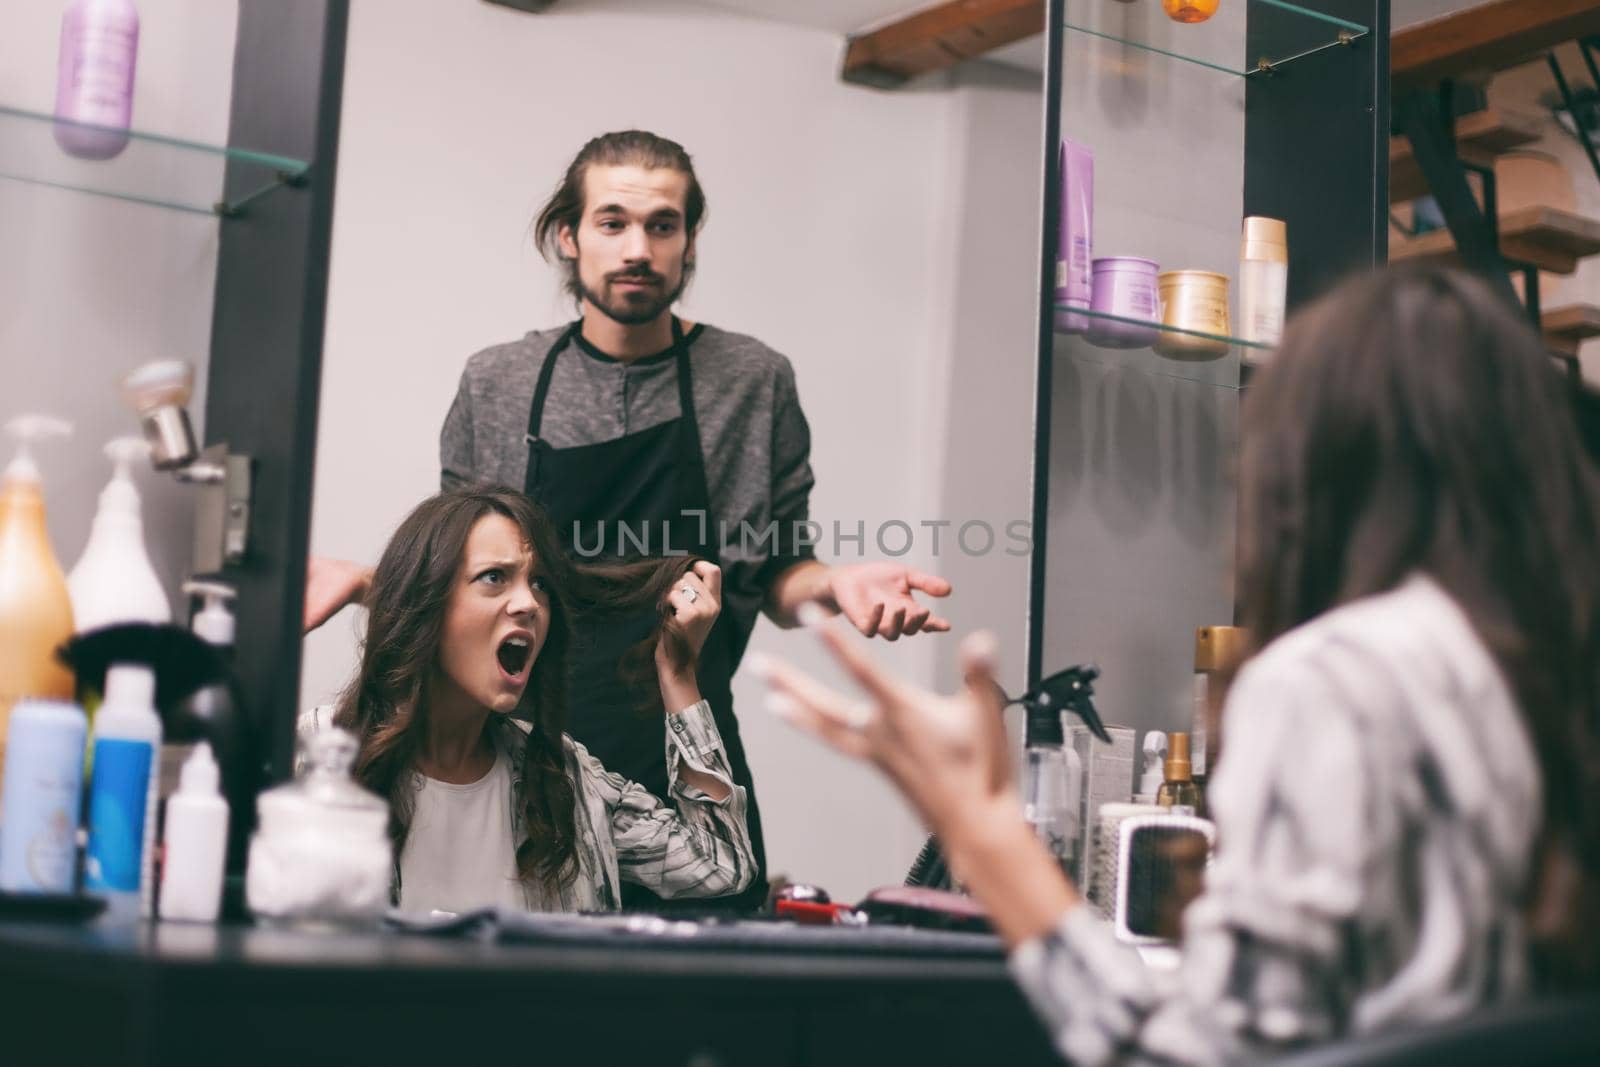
(796, 955)
(163, 993)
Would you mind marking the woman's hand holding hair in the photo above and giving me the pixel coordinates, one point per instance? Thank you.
(948, 755)
(694, 601)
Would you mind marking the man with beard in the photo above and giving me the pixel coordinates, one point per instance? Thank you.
(642, 434)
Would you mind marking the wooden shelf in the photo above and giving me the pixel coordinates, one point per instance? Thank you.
(1546, 238)
(1485, 38)
(1565, 328)
(1479, 138)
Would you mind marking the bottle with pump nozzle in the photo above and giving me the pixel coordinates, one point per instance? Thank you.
(1052, 781)
(1178, 792)
(213, 623)
(1154, 773)
(114, 582)
(1218, 651)
(35, 609)
(196, 843)
(215, 713)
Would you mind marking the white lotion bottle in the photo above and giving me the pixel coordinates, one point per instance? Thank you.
(196, 842)
(1263, 282)
(113, 581)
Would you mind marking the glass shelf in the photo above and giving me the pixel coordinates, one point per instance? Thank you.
(153, 169)
(1222, 370)
(1299, 27)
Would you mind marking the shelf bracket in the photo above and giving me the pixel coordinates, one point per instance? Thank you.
(280, 179)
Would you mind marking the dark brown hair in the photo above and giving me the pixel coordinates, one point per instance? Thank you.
(386, 704)
(637, 148)
(1412, 422)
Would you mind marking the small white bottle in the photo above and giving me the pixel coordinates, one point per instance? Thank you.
(122, 797)
(196, 842)
(113, 581)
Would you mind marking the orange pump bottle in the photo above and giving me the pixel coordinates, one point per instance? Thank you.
(35, 612)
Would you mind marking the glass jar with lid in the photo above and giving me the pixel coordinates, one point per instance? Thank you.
(321, 855)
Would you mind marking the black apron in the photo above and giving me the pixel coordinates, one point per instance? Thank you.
(653, 482)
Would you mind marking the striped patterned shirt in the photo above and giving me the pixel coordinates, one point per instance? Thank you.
(693, 847)
(1376, 812)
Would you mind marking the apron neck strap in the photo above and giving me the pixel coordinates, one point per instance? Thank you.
(685, 382)
(536, 409)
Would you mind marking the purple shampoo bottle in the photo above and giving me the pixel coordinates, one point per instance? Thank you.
(94, 83)
(1075, 250)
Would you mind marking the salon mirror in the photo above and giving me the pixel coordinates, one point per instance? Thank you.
(885, 241)
(1161, 868)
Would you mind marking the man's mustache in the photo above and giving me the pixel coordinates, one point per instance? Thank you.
(635, 276)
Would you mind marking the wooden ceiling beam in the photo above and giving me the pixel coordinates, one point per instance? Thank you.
(1486, 38)
(530, 7)
(938, 37)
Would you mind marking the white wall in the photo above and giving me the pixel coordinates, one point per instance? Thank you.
(896, 240)
(92, 287)
(979, 376)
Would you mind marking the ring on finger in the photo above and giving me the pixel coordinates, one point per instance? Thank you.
(689, 593)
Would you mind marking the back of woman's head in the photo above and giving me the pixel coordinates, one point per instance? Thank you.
(1411, 421)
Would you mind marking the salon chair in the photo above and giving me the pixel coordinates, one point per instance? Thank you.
(1537, 1033)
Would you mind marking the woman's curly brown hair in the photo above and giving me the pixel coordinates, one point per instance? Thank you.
(386, 703)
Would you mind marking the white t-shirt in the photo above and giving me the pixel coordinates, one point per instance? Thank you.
(458, 853)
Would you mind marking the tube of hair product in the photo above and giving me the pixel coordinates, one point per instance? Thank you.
(1075, 251)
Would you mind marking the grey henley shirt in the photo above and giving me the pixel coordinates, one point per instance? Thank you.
(753, 436)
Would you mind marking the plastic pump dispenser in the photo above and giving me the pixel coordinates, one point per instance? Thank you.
(113, 581)
(216, 712)
(213, 623)
(35, 610)
(1155, 754)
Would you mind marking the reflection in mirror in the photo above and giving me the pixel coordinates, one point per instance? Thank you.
(1161, 868)
(794, 300)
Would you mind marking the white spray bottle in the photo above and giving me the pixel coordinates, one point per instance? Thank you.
(113, 581)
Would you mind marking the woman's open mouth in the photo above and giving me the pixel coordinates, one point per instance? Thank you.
(515, 656)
